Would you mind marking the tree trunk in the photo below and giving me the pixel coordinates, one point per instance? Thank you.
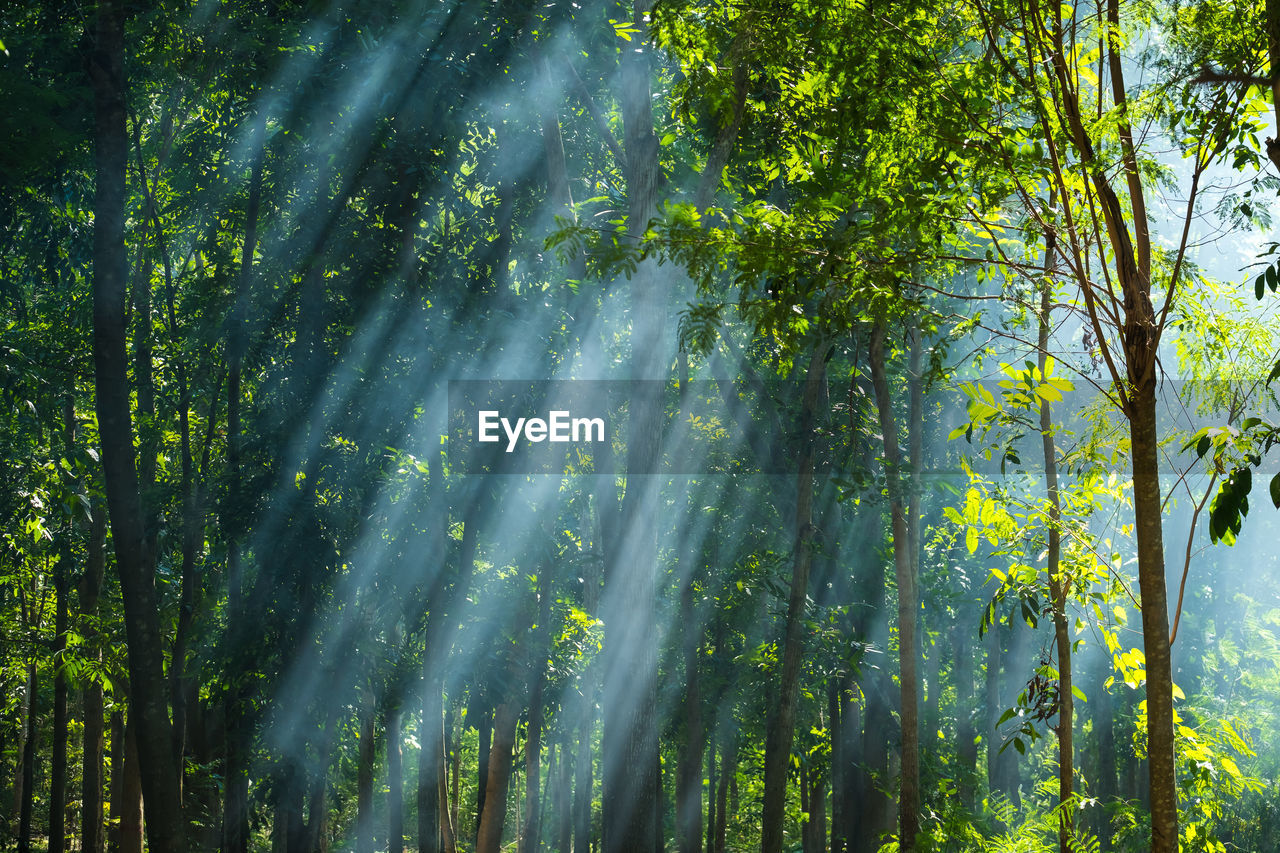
(712, 782)
(728, 767)
(583, 784)
(316, 832)
(851, 757)
(870, 808)
(62, 590)
(836, 733)
(530, 837)
(817, 820)
(909, 797)
(288, 830)
(585, 704)
(780, 727)
(484, 746)
(1059, 586)
(127, 815)
(364, 783)
(432, 745)
(494, 815)
(27, 799)
(689, 761)
(561, 797)
(450, 803)
(1161, 767)
(91, 835)
(58, 765)
(395, 784)
(148, 697)
(429, 761)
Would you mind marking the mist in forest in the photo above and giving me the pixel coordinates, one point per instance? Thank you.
(599, 427)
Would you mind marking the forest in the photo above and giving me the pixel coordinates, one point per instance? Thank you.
(463, 426)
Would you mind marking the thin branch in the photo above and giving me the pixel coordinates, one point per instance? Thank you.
(1186, 563)
(601, 124)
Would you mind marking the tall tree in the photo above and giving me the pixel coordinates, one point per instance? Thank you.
(161, 781)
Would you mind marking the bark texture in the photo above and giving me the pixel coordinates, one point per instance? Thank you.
(909, 783)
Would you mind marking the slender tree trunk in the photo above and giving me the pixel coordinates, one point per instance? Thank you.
(116, 783)
(689, 761)
(160, 778)
(289, 830)
(568, 763)
(712, 782)
(583, 782)
(364, 782)
(62, 590)
(816, 822)
(806, 827)
(874, 812)
(129, 823)
(728, 767)
(395, 783)
(780, 727)
(1161, 768)
(660, 814)
(58, 764)
(494, 814)
(915, 460)
(851, 756)
(189, 583)
(1059, 585)
(312, 836)
(27, 801)
(316, 832)
(429, 767)
(433, 743)
(484, 746)
(20, 751)
(450, 786)
(836, 733)
(530, 837)
(909, 797)
(585, 705)
(91, 835)
(1140, 330)
(561, 778)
